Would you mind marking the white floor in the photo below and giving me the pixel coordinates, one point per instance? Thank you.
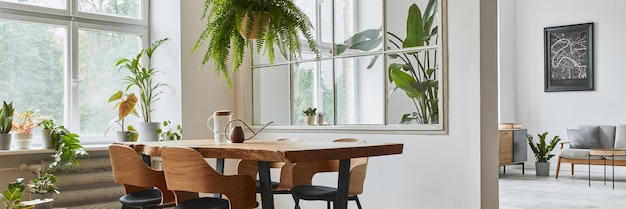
(518, 191)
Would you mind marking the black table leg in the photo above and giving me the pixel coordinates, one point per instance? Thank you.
(219, 167)
(589, 168)
(343, 184)
(267, 197)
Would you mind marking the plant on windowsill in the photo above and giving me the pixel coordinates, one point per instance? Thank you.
(230, 27)
(542, 151)
(66, 145)
(320, 118)
(47, 125)
(26, 122)
(170, 132)
(149, 91)
(310, 115)
(125, 104)
(416, 73)
(6, 124)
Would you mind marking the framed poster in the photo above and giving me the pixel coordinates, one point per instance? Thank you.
(569, 58)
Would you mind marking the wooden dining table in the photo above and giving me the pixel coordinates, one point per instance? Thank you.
(267, 151)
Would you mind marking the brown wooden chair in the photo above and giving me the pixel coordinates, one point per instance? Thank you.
(187, 174)
(139, 180)
(303, 176)
(251, 168)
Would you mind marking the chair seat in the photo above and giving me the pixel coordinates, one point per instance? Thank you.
(204, 203)
(148, 197)
(258, 185)
(307, 192)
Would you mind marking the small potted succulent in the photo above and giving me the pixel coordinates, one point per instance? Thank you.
(6, 124)
(125, 104)
(320, 118)
(310, 115)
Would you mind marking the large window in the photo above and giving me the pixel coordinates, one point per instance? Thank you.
(61, 60)
(380, 68)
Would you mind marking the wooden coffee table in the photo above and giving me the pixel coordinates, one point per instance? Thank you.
(604, 153)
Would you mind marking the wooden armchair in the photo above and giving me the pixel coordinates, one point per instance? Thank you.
(187, 174)
(138, 179)
(303, 176)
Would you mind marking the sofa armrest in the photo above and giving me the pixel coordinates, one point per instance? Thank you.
(561, 144)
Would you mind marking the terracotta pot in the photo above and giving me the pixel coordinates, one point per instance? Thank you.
(259, 26)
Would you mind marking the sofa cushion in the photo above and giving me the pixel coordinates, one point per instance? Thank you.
(620, 136)
(606, 136)
(584, 137)
(577, 153)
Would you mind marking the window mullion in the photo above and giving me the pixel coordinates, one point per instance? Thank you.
(72, 111)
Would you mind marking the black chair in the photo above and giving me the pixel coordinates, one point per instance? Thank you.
(303, 174)
(144, 187)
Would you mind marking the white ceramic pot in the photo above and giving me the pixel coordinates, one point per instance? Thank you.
(23, 140)
(124, 136)
(46, 139)
(148, 131)
(46, 205)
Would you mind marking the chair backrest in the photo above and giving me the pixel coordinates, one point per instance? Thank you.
(130, 171)
(187, 171)
(303, 172)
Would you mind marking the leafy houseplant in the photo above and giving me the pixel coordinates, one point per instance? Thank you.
(11, 197)
(67, 148)
(310, 114)
(24, 125)
(416, 72)
(225, 22)
(6, 124)
(143, 78)
(542, 151)
(170, 132)
(125, 104)
(43, 184)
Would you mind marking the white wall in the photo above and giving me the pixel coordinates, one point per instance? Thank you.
(434, 169)
(556, 111)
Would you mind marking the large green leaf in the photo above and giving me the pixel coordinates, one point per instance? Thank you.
(403, 81)
(414, 28)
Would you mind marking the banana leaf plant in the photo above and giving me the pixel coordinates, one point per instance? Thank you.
(415, 74)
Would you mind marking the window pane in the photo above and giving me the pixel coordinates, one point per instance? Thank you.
(360, 91)
(99, 79)
(271, 95)
(397, 13)
(417, 100)
(57, 4)
(32, 62)
(313, 88)
(353, 20)
(126, 8)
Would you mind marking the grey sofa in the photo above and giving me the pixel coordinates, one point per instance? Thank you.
(576, 150)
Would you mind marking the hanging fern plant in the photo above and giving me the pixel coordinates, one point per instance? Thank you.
(223, 33)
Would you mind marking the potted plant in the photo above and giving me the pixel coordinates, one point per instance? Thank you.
(320, 118)
(67, 149)
(6, 124)
(43, 187)
(26, 122)
(12, 196)
(170, 132)
(228, 20)
(310, 115)
(125, 104)
(149, 91)
(542, 151)
(416, 72)
(47, 125)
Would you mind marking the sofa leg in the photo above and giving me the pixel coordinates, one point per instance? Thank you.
(572, 169)
(558, 167)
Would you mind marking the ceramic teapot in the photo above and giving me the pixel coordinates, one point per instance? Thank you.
(237, 134)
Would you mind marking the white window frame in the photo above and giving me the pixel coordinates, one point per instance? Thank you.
(387, 128)
(74, 21)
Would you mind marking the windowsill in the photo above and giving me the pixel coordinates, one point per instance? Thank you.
(41, 150)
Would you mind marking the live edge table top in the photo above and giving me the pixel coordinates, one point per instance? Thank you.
(273, 151)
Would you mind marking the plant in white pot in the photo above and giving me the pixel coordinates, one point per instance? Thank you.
(42, 188)
(6, 124)
(542, 151)
(47, 127)
(142, 78)
(125, 104)
(26, 122)
(310, 115)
